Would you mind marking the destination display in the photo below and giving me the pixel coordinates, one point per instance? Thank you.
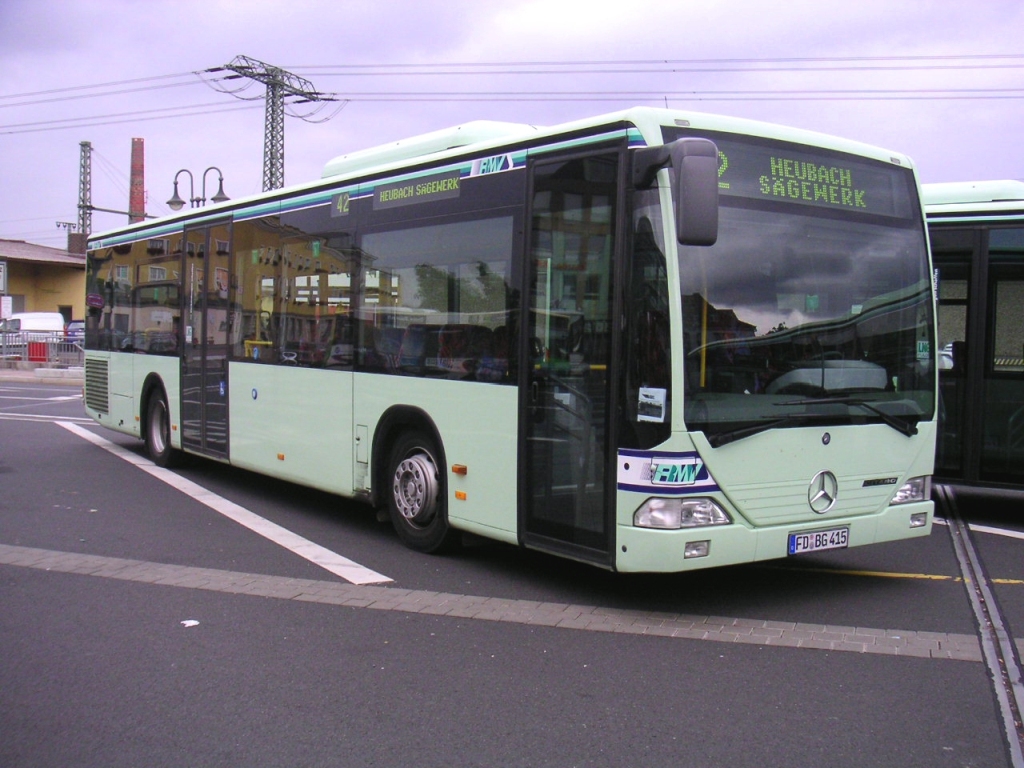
(791, 173)
(798, 176)
(423, 190)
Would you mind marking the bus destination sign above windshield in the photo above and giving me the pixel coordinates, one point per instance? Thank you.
(792, 175)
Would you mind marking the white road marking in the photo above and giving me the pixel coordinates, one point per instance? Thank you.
(314, 553)
(1007, 532)
(997, 531)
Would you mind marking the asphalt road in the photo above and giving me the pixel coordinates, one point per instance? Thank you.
(144, 626)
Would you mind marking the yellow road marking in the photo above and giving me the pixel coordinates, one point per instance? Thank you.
(874, 574)
(890, 575)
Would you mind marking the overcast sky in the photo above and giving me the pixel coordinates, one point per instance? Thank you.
(942, 81)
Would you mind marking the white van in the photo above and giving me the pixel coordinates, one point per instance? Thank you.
(29, 335)
(21, 322)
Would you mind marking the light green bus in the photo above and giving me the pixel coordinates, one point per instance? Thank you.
(652, 340)
(977, 238)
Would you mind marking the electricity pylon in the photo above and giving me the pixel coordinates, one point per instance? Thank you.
(85, 208)
(282, 86)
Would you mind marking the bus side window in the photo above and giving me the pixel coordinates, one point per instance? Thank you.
(443, 288)
(255, 259)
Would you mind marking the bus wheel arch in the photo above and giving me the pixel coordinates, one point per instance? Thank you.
(410, 479)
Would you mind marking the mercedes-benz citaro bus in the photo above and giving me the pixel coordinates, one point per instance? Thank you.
(652, 340)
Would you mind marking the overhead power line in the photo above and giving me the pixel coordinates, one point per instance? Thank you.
(669, 70)
(745, 60)
(80, 96)
(115, 118)
(94, 86)
(926, 62)
(201, 110)
(293, 95)
(652, 66)
(754, 95)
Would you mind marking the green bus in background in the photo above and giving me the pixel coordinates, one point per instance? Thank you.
(977, 238)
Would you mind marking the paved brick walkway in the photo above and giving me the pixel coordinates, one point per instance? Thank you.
(934, 645)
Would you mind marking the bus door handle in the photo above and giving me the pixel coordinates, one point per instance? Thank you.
(537, 400)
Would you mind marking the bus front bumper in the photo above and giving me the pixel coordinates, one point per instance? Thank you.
(670, 551)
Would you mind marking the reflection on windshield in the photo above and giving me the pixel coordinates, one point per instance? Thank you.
(789, 306)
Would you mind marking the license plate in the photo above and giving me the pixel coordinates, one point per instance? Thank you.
(816, 541)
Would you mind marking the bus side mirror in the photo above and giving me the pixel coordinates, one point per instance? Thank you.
(693, 165)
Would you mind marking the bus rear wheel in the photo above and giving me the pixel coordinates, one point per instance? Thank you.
(417, 495)
(158, 432)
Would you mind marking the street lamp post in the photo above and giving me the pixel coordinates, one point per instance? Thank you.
(176, 203)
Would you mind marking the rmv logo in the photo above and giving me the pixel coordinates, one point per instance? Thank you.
(492, 165)
(675, 471)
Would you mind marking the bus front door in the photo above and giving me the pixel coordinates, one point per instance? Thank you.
(204, 364)
(567, 375)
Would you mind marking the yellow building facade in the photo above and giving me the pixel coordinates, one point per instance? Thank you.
(43, 279)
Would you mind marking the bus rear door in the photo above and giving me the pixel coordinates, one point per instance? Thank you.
(204, 366)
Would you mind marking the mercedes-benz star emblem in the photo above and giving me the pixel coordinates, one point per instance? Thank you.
(821, 495)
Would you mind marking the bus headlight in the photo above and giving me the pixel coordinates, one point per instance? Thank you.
(915, 489)
(672, 514)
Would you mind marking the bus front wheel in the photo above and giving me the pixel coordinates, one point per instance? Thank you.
(417, 495)
(158, 432)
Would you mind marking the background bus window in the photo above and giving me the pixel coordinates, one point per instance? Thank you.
(952, 358)
(1003, 439)
(435, 300)
(955, 251)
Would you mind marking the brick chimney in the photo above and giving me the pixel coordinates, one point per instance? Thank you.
(77, 242)
(137, 185)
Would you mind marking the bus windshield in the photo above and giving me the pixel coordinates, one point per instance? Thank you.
(805, 312)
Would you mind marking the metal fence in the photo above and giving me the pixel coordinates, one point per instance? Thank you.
(27, 349)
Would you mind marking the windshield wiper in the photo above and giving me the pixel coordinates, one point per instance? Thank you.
(719, 439)
(906, 425)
